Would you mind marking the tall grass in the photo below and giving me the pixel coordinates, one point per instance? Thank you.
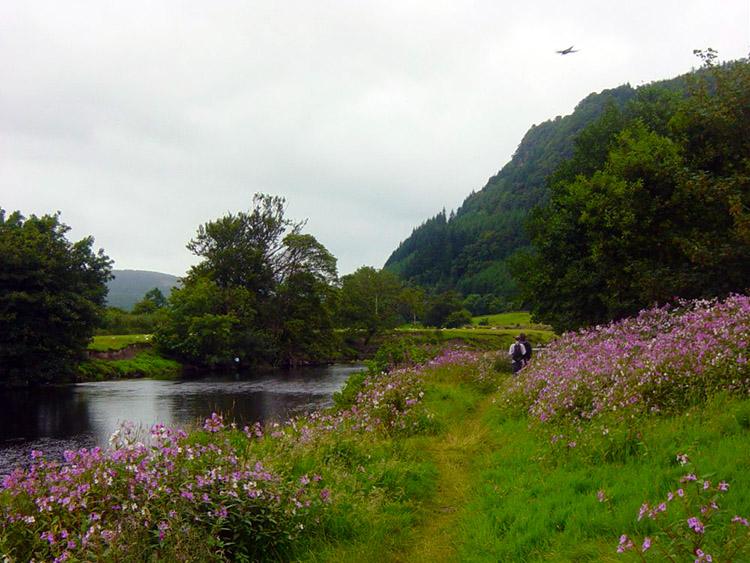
(603, 423)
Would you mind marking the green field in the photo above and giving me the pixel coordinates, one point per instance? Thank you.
(103, 343)
(489, 332)
(507, 320)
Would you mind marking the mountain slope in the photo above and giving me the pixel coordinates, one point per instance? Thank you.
(129, 286)
(467, 251)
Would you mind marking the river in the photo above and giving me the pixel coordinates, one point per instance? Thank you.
(70, 417)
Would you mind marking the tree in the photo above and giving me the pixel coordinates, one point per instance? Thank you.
(52, 297)
(305, 302)
(263, 293)
(441, 306)
(152, 301)
(457, 319)
(305, 320)
(245, 250)
(413, 302)
(369, 301)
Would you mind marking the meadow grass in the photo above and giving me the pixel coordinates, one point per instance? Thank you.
(515, 319)
(531, 504)
(476, 338)
(145, 363)
(102, 343)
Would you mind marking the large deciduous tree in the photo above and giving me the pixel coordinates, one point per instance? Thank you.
(262, 293)
(370, 301)
(52, 297)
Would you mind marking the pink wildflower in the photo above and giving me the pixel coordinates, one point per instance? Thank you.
(624, 544)
(696, 525)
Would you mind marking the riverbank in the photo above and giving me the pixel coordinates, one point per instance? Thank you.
(125, 356)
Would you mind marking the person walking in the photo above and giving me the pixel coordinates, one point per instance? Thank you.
(516, 353)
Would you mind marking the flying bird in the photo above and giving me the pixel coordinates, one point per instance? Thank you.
(568, 51)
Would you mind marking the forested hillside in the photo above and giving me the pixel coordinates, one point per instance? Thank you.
(467, 250)
(129, 286)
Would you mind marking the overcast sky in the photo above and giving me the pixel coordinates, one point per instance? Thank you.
(141, 120)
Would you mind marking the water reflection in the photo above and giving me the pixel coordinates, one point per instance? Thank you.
(85, 415)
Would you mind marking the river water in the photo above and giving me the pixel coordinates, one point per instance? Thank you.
(84, 415)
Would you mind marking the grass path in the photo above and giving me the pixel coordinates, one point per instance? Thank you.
(453, 452)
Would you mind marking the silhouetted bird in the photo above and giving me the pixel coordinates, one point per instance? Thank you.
(567, 51)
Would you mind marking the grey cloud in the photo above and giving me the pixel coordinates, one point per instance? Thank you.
(141, 120)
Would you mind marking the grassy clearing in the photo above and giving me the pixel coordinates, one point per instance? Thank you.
(508, 320)
(517, 319)
(145, 362)
(527, 504)
(478, 338)
(102, 343)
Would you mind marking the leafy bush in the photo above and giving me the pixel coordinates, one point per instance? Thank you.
(457, 319)
(345, 399)
(119, 321)
(396, 353)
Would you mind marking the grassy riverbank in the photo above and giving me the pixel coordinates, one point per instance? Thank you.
(122, 356)
(634, 437)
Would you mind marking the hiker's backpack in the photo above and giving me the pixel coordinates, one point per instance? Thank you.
(518, 352)
(527, 354)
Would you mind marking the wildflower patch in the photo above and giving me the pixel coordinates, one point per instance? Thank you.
(602, 381)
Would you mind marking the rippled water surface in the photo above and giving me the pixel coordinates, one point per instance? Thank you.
(85, 415)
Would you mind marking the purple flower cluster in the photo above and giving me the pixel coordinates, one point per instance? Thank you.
(171, 489)
(662, 360)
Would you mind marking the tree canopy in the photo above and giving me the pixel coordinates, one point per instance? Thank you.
(262, 293)
(654, 205)
(52, 297)
(152, 301)
(370, 301)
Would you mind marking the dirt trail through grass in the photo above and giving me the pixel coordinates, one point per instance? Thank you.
(454, 452)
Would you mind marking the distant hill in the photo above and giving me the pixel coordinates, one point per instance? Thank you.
(129, 286)
(467, 250)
